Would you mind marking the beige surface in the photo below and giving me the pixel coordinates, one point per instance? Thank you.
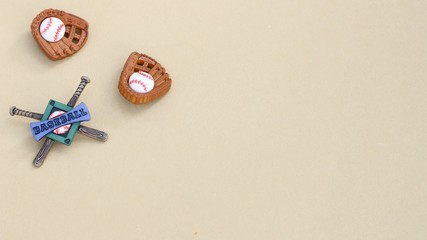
(286, 120)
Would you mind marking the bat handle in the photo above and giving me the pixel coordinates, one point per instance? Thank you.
(16, 111)
(93, 133)
(44, 150)
(84, 81)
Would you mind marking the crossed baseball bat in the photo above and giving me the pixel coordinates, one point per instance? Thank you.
(47, 145)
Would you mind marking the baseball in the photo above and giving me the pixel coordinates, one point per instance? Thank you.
(60, 130)
(141, 82)
(52, 29)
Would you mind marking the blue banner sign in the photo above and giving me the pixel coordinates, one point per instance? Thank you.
(77, 114)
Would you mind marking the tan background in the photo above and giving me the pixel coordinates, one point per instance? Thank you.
(286, 120)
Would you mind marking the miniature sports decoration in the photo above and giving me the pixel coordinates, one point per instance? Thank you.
(141, 82)
(143, 79)
(60, 123)
(75, 115)
(52, 29)
(59, 34)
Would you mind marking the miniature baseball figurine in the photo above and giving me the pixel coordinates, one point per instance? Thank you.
(52, 29)
(143, 79)
(59, 34)
(60, 123)
(141, 82)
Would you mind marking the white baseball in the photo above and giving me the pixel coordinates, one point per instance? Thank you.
(141, 82)
(52, 29)
(63, 129)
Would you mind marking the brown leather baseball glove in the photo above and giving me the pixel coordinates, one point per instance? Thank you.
(75, 36)
(137, 62)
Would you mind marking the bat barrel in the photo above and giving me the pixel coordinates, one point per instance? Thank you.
(12, 110)
(85, 78)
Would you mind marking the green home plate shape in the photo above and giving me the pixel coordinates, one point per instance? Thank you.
(60, 122)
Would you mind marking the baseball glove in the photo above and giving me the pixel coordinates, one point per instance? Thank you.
(75, 36)
(137, 62)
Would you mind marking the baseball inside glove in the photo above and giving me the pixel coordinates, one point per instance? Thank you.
(75, 36)
(140, 62)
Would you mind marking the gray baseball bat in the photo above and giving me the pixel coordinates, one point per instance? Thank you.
(87, 131)
(48, 143)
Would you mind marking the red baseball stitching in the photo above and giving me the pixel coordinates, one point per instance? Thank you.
(144, 86)
(145, 75)
(62, 130)
(47, 26)
(139, 82)
(57, 32)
